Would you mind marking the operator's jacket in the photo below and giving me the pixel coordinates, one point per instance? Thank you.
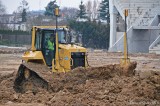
(50, 45)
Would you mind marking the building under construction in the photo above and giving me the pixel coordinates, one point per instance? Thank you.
(143, 25)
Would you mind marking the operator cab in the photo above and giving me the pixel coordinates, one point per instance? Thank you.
(43, 36)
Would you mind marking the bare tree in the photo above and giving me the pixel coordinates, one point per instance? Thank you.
(92, 8)
(94, 11)
(2, 8)
(39, 20)
(68, 13)
(23, 5)
(89, 9)
(2, 12)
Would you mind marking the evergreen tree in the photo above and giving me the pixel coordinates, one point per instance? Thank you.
(82, 11)
(24, 15)
(104, 10)
(50, 8)
(94, 35)
(22, 9)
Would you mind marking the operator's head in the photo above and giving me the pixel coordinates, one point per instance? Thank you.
(52, 37)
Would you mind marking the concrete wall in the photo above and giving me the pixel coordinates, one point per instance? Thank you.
(138, 40)
(155, 21)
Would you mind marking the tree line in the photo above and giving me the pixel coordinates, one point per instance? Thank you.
(94, 10)
(94, 35)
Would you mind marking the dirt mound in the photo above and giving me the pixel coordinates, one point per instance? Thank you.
(81, 75)
(91, 86)
(77, 76)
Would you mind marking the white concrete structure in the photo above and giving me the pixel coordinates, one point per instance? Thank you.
(143, 25)
(113, 25)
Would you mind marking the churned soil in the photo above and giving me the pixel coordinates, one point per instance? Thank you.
(101, 84)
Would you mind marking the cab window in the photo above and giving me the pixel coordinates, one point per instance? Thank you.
(61, 36)
(47, 35)
(38, 40)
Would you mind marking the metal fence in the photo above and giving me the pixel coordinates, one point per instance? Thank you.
(15, 40)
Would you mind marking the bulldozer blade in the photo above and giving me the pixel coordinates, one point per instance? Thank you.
(26, 79)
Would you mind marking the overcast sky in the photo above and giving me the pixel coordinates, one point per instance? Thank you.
(11, 5)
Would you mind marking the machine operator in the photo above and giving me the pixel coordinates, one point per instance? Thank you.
(51, 48)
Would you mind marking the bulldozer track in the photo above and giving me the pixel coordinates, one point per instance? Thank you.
(32, 82)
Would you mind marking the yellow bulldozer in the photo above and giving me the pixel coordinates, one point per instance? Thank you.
(51, 46)
(67, 55)
(64, 57)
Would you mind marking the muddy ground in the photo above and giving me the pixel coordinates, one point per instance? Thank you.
(100, 85)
